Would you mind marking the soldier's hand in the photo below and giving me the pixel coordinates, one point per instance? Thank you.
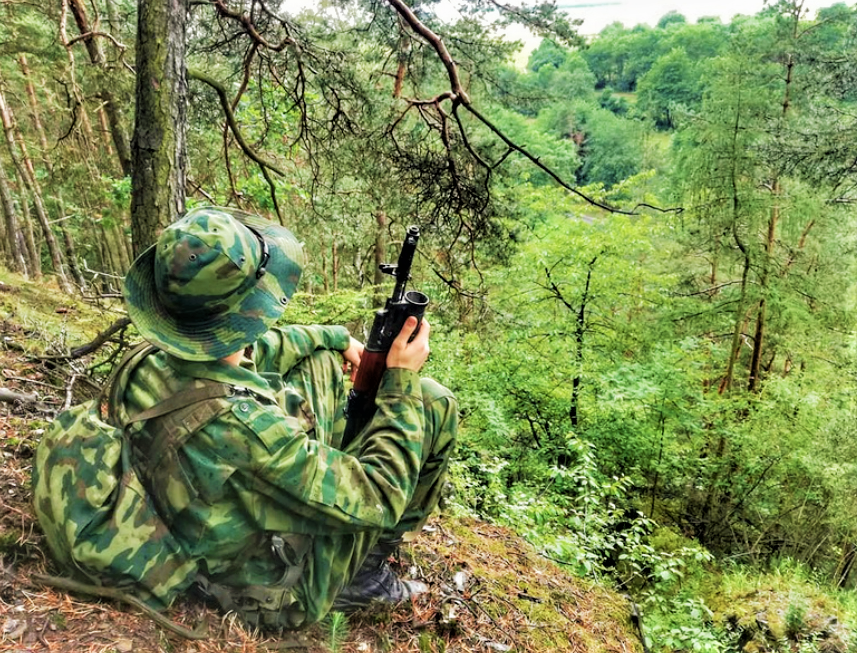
(410, 355)
(351, 358)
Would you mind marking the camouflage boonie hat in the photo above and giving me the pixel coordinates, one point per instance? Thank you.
(216, 280)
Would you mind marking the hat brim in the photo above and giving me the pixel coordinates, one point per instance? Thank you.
(215, 336)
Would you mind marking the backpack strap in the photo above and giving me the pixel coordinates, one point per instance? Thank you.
(266, 606)
(181, 400)
(109, 395)
(170, 423)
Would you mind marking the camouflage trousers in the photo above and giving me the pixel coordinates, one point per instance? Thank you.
(334, 559)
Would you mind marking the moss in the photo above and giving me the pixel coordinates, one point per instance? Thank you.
(774, 608)
(57, 620)
(9, 543)
(54, 318)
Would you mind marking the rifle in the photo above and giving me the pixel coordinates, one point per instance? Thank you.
(386, 326)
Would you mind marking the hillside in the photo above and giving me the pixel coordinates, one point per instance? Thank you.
(490, 590)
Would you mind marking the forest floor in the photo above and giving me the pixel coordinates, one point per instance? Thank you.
(490, 590)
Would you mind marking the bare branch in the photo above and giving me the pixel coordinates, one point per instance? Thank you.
(459, 97)
(250, 28)
(435, 41)
(89, 35)
(233, 124)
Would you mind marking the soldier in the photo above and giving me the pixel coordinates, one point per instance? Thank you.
(284, 523)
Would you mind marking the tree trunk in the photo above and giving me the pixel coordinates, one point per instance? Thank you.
(735, 346)
(32, 251)
(110, 256)
(71, 257)
(70, 254)
(112, 17)
(579, 334)
(737, 329)
(159, 145)
(5, 239)
(25, 168)
(754, 382)
(15, 254)
(380, 256)
(111, 108)
(712, 280)
(324, 274)
(105, 129)
(846, 564)
(34, 111)
(334, 253)
(123, 247)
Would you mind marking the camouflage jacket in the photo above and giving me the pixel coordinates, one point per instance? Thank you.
(266, 465)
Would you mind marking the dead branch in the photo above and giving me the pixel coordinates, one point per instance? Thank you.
(69, 397)
(250, 28)
(119, 325)
(70, 585)
(11, 397)
(89, 35)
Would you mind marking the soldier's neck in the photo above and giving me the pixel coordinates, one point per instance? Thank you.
(233, 359)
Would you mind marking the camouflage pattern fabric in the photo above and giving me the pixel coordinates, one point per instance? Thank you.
(216, 280)
(97, 518)
(272, 464)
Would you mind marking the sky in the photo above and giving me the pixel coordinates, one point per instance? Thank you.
(598, 14)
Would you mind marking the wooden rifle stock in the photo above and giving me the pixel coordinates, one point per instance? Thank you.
(386, 326)
(372, 366)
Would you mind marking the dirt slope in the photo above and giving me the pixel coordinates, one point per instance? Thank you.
(490, 591)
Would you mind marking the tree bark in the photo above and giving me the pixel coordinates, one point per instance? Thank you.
(112, 17)
(754, 383)
(737, 330)
(159, 145)
(71, 255)
(111, 107)
(334, 256)
(105, 129)
(110, 257)
(579, 334)
(123, 247)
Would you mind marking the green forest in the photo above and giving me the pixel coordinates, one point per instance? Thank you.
(638, 247)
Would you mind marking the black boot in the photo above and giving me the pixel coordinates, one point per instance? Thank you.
(376, 582)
